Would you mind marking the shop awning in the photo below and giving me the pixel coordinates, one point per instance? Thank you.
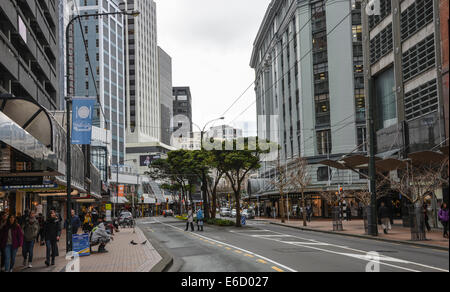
(29, 115)
(427, 157)
(390, 164)
(333, 164)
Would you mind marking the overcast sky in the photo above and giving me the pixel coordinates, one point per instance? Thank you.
(210, 42)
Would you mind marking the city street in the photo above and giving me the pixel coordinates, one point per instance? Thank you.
(261, 247)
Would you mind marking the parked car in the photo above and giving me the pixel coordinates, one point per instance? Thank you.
(225, 212)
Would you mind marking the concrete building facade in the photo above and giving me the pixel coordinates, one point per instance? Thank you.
(309, 87)
(165, 94)
(104, 39)
(143, 120)
(29, 51)
(404, 61)
(182, 111)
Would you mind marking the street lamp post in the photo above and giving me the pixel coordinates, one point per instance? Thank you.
(204, 183)
(68, 99)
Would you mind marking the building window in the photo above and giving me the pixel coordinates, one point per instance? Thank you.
(324, 144)
(386, 108)
(323, 174)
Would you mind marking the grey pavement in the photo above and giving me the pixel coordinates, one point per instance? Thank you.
(263, 247)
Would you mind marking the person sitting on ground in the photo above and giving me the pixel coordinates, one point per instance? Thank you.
(100, 236)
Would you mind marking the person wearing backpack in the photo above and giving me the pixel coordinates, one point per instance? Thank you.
(200, 220)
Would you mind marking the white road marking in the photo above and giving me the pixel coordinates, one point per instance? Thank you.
(235, 247)
(346, 254)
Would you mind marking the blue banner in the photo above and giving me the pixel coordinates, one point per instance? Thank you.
(82, 112)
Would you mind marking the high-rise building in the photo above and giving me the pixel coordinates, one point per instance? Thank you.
(403, 57)
(165, 95)
(309, 84)
(104, 38)
(143, 122)
(182, 110)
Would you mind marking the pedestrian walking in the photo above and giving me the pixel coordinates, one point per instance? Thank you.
(41, 221)
(384, 216)
(425, 216)
(11, 238)
(3, 222)
(190, 220)
(349, 213)
(200, 220)
(52, 233)
(309, 212)
(443, 217)
(76, 223)
(30, 233)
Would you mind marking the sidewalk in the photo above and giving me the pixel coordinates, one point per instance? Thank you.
(122, 256)
(356, 228)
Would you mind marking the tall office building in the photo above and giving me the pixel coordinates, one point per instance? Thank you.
(143, 105)
(182, 109)
(104, 40)
(403, 57)
(165, 94)
(309, 87)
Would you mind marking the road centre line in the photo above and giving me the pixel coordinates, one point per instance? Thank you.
(235, 247)
(352, 249)
(277, 269)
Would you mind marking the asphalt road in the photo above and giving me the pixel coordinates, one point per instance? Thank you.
(262, 247)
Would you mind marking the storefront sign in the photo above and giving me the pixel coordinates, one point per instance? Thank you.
(19, 181)
(82, 112)
(108, 207)
(121, 190)
(26, 183)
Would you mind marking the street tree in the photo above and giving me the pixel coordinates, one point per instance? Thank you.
(175, 169)
(237, 164)
(281, 183)
(300, 180)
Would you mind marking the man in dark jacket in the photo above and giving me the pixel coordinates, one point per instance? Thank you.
(385, 216)
(76, 222)
(52, 232)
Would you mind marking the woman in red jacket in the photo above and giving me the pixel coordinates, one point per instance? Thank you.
(11, 238)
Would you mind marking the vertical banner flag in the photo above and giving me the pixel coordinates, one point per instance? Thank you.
(82, 112)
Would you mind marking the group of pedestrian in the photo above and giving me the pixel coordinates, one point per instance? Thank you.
(23, 233)
(190, 220)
